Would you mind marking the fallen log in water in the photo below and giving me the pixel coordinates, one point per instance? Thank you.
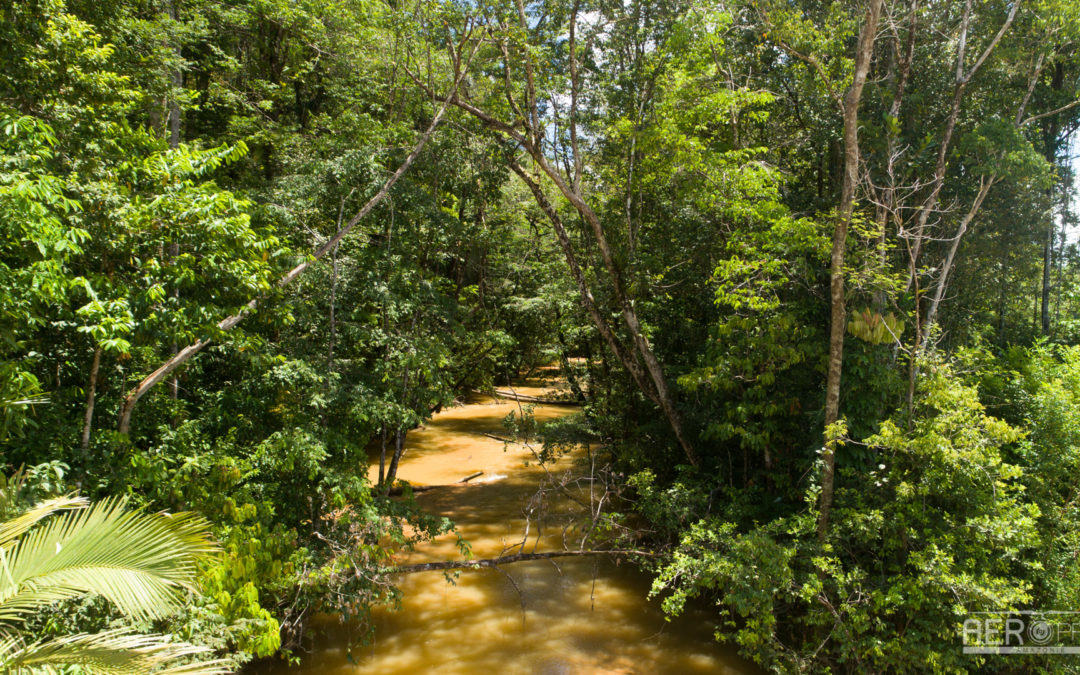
(523, 398)
(506, 559)
(398, 491)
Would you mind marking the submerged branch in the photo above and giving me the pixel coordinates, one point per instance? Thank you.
(507, 559)
(532, 399)
(397, 491)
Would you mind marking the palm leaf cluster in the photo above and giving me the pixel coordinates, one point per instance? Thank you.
(144, 564)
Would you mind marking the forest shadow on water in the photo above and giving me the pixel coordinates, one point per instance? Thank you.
(568, 615)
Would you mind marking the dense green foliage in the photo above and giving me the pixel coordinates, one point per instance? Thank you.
(642, 192)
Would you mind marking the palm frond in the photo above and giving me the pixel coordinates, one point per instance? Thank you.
(116, 652)
(22, 523)
(140, 562)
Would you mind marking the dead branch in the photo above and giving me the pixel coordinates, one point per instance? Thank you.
(487, 563)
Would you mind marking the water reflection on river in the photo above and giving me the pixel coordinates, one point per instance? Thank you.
(572, 615)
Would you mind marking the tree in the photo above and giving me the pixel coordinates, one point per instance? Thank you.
(849, 107)
(526, 86)
(229, 322)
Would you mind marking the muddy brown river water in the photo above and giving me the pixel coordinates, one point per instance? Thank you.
(572, 615)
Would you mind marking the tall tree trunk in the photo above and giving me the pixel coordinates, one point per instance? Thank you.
(91, 393)
(1002, 297)
(399, 448)
(890, 212)
(564, 361)
(382, 455)
(1062, 241)
(333, 288)
(333, 308)
(1051, 131)
(838, 311)
(1048, 258)
(174, 143)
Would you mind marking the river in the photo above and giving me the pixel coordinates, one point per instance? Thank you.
(571, 615)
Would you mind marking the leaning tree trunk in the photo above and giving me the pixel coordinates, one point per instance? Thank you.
(586, 296)
(228, 323)
(528, 131)
(922, 341)
(629, 315)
